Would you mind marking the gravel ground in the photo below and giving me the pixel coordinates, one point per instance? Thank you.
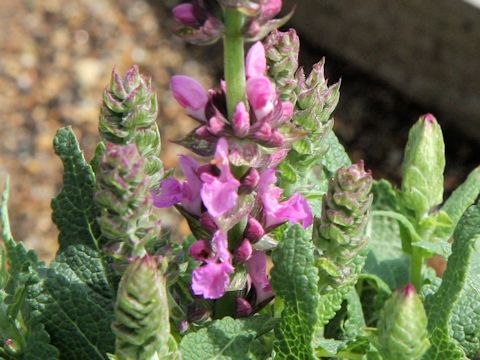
(56, 58)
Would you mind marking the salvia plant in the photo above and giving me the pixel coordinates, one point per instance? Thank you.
(294, 252)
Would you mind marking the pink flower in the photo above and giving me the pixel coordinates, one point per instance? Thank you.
(243, 252)
(200, 250)
(169, 193)
(172, 192)
(191, 95)
(219, 193)
(212, 278)
(296, 209)
(256, 62)
(257, 271)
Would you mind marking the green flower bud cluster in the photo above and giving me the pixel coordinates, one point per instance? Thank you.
(339, 233)
(282, 50)
(129, 114)
(123, 193)
(141, 324)
(402, 326)
(423, 166)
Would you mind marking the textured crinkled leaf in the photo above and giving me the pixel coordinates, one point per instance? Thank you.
(23, 265)
(38, 345)
(74, 298)
(336, 156)
(385, 258)
(74, 211)
(75, 302)
(225, 339)
(294, 278)
(354, 323)
(373, 292)
(464, 196)
(445, 321)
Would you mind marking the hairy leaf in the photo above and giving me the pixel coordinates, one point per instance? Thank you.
(452, 310)
(294, 278)
(225, 339)
(23, 266)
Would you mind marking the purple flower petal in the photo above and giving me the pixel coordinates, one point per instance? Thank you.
(296, 210)
(271, 8)
(244, 251)
(211, 280)
(169, 193)
(190, 94)
(200, 250)
(220, 194)
(256, 62)
(257, 270)
(191, 188)
(241, 120)
(220, 245)
(262, 95)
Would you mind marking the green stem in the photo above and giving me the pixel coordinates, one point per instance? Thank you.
(234, 59)
(416, 268)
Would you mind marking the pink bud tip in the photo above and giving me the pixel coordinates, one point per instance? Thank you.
(208, 223)
(409, 290)
(256, 63)
(243, 307)
(241, 120)
(244, 251)
(430, 118)
(271, 8)
(254, 230)
(184, 14)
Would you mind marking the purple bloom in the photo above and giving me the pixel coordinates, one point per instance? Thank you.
(219, 193)
(257, 270)
(169, 193)
(296, 209)
(241, 120)
(211, 279)
(243, 252)
(261, 94)
(190, 94)
(254, 230)
(271, 8)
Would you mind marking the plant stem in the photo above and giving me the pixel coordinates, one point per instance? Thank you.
(234, 59)
(416, 267)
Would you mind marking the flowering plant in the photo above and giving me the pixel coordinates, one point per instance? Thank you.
(295, 252)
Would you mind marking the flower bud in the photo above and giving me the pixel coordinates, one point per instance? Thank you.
(282, 49)
(241, 121)
(243, 252)
(128, 116)
(339, 232)
(423, 166)
(244, 308)
(254, 230)
(402, 327)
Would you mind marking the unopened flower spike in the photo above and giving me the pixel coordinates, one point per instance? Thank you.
(339, 234)
(402, 327)
(128, 116)
(123, 194)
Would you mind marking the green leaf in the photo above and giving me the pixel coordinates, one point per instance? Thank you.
(452, 310)
(373, 292)
(223, 339)
(464, 196)
(336, 156)
(21, 275)
(294, 278)
(386, 258)
(74, 211)
(74, 298)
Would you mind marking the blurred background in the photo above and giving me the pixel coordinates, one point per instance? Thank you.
(397, 60)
